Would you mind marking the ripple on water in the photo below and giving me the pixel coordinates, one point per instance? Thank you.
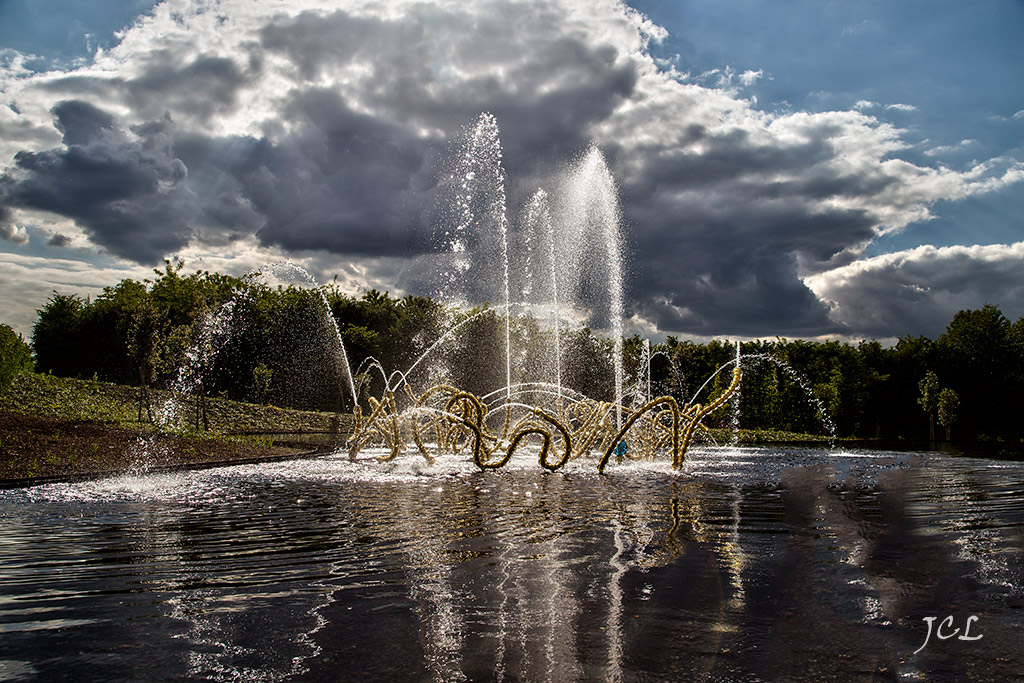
(277, 570)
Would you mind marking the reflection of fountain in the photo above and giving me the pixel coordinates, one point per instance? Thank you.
(551, 578)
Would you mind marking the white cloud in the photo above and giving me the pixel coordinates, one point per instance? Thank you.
(900, 107)
(949, 149)
(13, 233)
(749, 78)
(919, 290)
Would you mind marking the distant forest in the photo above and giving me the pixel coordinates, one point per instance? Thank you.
(253, 342)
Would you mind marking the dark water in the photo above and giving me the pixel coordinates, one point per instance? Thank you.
(750, 565)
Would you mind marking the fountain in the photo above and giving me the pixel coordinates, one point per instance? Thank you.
(572, 243)
(480, 213)
(585, 264)
(538, 220)
(594, 217)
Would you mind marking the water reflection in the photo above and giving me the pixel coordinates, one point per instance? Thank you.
(751, 563)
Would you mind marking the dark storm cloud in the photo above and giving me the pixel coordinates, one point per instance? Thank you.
(726, 156)
(199, 89)
(330, 178)
(340, 181)
(58, 240)
(203, 87)
(81, 122)
(762, 292)
(128, 194)
(703, 283)
(434, 68)
(331, 133)
(719, 236)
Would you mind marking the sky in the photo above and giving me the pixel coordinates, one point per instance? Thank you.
(803, 168)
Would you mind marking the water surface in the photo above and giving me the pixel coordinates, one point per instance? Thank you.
(750, 564)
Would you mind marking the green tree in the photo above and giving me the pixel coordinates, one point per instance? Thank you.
(947, 405)
(144, 347)
(261, 378)
(976, 359)
(906, 364)
(929, 400)
(56, 336)
(15, 356)
(879, 405)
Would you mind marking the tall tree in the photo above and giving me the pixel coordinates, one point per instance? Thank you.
(929, 400)
(946, 406)
(15, 356)
(144, 345)
(56, 333)
(976, 360)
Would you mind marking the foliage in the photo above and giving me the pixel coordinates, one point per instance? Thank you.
(94, 401)
(946, 406)
(133, 332)
(15, 356)
(929, 399)
(981, 358)
(281, 346)
(261, 377)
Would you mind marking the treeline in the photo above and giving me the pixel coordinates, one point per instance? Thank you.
(966, 384)
(242, 339)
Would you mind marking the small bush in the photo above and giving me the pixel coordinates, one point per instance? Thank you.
(15, 356)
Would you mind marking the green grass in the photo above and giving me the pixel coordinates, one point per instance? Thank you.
(89, 400)
(769, 436)
(76, 399)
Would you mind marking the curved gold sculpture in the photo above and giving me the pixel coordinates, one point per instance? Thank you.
(458, 419)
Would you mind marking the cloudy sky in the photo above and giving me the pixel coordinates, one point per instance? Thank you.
(803, 168)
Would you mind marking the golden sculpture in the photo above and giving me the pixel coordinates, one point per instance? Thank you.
(457, 420)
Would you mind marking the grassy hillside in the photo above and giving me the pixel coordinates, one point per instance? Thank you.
(54, 426)
(75, 399)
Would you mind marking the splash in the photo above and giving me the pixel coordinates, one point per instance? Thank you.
(594, 218)
(480, 221)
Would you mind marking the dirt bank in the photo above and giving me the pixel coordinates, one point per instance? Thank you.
(34, 446)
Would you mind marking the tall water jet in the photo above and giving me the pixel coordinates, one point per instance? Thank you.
(592, 206)
(586, 261)
(538, 224)
(479, 217)
(291, 272)
(734, 405)
(645, 364)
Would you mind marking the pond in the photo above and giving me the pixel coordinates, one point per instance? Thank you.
(750, 564)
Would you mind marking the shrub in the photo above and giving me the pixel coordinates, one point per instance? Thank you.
(15, 356)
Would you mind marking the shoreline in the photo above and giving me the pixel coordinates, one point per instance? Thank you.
(42, 449)
(38, 449)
